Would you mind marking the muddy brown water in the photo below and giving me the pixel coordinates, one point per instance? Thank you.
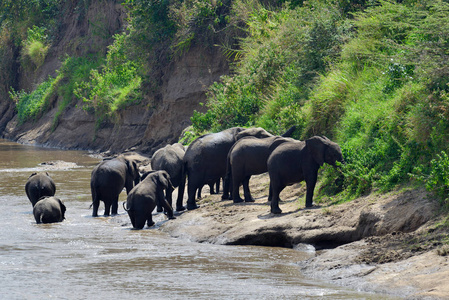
(102, 258)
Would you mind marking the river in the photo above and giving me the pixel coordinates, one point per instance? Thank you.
(102, 258)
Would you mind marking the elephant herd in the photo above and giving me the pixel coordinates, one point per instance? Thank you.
(232, 155)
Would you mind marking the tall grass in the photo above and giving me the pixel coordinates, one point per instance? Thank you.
(376, 82)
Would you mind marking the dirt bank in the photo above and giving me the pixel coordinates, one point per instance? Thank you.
(158, 119)
(382, 243)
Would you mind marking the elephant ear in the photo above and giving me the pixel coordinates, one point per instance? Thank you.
(164, 180)
(133, 170)
(317, 147)
(63, 208)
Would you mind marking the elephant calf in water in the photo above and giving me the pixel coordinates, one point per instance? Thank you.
(49, 210)
(144, 197)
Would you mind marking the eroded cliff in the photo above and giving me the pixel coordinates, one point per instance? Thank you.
(158, 119)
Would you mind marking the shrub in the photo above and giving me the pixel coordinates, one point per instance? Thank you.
(30, 105)
(284, 52)
(437, 180)
(35, 47)
(115, 86)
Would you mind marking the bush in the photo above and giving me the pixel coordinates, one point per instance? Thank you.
(115, 86)
(35, 47)
(437, 180)
(284, 52)
(30, 105)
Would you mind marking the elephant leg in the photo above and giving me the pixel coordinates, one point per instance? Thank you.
(159, 208)
(199, 192)
(275, 198)
(246, 191)
(227, 187)
(191, 190)
(159, 205)
(114, 207)
(270, 193)
(217, 185)
(182, 185)
(107, 208)
(169, 196)
(150, 220)
(211, 189)
(95, 203)
(310, 183)
(95, 206)
(236, 181)
(168, 209)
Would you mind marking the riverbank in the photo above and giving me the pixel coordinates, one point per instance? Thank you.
(380, 243)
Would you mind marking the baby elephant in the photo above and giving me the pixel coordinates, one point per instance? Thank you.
(49, 210)
(39, 185)
(144, 197)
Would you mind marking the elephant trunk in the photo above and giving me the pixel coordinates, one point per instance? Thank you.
(124, 206)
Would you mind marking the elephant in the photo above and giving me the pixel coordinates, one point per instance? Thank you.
(294, 162)
(170, 158)
(205, 159)
(247, 157)
(108, 180)
(144, 197)
(49, 209)
(39, 185)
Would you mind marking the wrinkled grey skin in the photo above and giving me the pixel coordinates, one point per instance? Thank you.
(170, 158)
(205, 159)
(108, 180)
(144, 197)
(248, 157)
(49, 210)
(294, 162)
(39, 185)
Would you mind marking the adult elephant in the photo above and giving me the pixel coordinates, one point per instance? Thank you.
(170, 158)
(294, 162)
(248, 157)
(108, 180)
(205, 159)
(144, 197)
(49, 210)
(39, 185)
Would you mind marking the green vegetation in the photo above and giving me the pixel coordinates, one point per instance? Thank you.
(30, 105)
(375, 81)
(371, 75)
(34, 48)
(116, 85)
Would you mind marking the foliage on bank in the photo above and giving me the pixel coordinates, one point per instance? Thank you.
(371, 75)
(373, 79)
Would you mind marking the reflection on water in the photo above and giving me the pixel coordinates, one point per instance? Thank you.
(100, 258)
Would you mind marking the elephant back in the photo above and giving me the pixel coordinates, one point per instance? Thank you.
(170, 159)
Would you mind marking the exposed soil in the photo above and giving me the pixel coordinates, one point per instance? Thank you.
(391, 244)
(157, 120)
